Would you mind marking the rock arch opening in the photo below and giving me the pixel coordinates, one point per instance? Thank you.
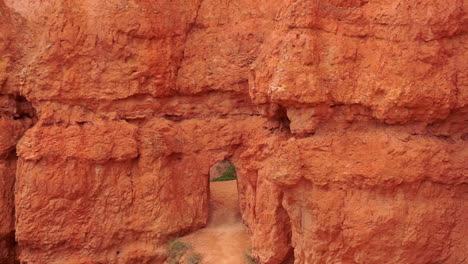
(225, 236)
(224, 194)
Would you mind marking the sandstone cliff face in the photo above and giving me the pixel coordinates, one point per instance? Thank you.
(15, 117)
(346, 121)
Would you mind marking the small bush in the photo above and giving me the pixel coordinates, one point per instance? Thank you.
(193, 258)
(249, 258)
(228, 175)
(177, 248)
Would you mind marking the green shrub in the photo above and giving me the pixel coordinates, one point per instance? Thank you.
(228, 175)
(177, 248)
(193, 258)
(249, 258)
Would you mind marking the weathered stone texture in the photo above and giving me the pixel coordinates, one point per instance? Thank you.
(346, 121)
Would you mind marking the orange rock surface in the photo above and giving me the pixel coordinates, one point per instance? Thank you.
(346, 121)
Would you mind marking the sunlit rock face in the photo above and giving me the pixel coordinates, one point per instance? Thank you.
(346, 121)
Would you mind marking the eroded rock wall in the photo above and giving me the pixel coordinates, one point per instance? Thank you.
(16, 116)
(346, 121)
(375, 92)
(128, 187)
(377, 195)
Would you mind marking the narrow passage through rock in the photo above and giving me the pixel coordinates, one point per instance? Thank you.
(225, 240)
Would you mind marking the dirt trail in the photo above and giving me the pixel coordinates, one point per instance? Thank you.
(225, 239)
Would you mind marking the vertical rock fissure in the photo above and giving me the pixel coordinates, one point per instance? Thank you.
(14, 244)
(187, 35)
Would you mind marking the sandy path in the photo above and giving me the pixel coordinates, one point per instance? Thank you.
(225, 239)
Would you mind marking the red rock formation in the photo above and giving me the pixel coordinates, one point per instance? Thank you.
(346, 120)
(15, 118)
(356, 189)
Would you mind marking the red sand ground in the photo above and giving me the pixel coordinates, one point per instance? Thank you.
(225, 239)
